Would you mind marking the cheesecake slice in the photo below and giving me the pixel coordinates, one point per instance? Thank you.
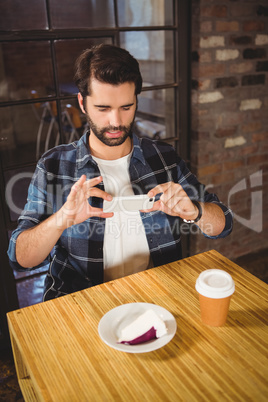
(144, 328)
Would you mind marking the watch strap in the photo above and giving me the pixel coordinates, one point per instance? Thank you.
(199, 216)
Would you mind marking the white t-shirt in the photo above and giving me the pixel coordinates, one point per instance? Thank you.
(125, 249)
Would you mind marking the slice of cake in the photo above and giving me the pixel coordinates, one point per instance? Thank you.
(144, 328)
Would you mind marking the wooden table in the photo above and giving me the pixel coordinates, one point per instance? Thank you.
(60, 357)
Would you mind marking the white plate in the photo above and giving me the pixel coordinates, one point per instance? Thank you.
(112, 322)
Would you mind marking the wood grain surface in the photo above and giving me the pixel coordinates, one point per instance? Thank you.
(60, 356)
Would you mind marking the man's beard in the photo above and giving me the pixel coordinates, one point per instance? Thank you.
(111, 142)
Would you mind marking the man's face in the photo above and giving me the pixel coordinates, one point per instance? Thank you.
(110, 111)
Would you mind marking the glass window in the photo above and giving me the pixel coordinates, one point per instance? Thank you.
(145, 12)
(23, 15)
(81, 13)
(17, 182)
(154, 51)
(27, 131)
(67, 52)
(25, 70)
(155, 115)
(74, 123)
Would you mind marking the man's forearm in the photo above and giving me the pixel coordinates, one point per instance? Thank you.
(212, 222)
(34, 245)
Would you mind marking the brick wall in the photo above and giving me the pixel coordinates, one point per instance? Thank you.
(229, 139)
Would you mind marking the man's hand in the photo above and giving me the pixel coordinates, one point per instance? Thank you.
(173, 201)
(34, 245)
(77, 208)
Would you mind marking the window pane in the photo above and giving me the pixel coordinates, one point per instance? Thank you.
(82, 13)
(74, 122)
(23, 15)
(67, 52)
(145, 12)
(27, 131)
(155, 115)
(154, 50)
(16, 183)
(26, 67)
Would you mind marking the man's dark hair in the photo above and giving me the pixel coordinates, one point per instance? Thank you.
(108, 64)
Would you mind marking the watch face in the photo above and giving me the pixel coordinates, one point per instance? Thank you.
(185, 220)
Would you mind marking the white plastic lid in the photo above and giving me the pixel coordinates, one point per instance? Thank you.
(215, 283)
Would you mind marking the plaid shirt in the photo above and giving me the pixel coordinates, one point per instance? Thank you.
(76, 261)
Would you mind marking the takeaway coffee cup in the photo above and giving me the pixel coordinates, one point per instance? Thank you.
(215, 288)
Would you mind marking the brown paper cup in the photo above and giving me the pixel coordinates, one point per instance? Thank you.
(214, 312)
(215, 288)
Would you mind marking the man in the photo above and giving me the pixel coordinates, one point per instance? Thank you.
(63, 222)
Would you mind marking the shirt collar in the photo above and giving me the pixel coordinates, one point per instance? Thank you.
(137, 151)
(84, 156)
(83, 152)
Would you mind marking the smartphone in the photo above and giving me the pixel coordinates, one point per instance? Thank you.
(128, 203)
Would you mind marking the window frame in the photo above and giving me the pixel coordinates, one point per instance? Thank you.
(181, 37)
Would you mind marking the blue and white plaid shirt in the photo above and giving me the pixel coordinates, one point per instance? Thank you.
(76, 261)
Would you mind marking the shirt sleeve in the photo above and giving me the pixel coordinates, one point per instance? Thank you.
(35, 211)
(197, 191)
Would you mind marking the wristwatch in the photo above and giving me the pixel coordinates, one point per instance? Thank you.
(199, 216)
